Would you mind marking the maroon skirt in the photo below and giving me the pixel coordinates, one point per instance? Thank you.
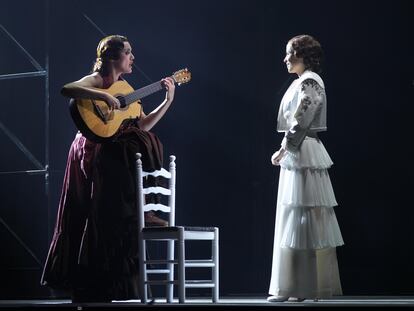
(94, 244)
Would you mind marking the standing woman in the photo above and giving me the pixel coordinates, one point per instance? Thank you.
(93, 253)
(306, 229)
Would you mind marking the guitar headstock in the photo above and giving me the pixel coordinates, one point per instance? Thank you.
(182, 76)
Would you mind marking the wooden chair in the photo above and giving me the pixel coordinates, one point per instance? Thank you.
(175, 237)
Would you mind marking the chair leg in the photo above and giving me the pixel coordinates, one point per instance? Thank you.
(181, 267)
(170, 266)
(142, 272)
(215, 270)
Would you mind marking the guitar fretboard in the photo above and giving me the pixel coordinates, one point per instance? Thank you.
(143, 92)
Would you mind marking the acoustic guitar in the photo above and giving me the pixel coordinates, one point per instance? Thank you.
(99, 123)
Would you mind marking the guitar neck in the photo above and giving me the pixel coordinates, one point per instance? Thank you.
(143, 92)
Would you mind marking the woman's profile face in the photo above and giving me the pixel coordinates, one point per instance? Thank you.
(126, 59)
(293, 63)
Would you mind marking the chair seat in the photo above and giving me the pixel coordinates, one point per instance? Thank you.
(176, 228)
(208, 229)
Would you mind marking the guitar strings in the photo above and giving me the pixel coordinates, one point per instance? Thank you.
(143, 92)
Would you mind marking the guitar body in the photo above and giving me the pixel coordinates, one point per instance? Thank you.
(99, 123)
(96, 120)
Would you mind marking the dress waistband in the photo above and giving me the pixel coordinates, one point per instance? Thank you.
(312, 134)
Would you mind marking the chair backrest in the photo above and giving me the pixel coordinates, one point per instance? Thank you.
(142, 191)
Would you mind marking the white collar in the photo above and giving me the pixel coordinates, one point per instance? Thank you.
(311, 75)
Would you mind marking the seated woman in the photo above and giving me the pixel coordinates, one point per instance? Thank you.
(93, 253)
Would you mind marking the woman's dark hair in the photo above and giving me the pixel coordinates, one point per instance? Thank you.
(109, 48)
(308, 48)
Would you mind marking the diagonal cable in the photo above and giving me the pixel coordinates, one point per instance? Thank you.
(104, 34)
(32, 60)
(20, 145)
(21, 242)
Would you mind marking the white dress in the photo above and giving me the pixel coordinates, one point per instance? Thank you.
(306, 229)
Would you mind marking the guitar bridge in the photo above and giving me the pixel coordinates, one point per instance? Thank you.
(99, 112)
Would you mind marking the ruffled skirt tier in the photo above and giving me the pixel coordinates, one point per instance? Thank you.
(306, 229)
(305, 215)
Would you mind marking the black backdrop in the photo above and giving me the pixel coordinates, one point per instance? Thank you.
(221, 125)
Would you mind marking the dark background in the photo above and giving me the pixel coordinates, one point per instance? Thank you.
(221, 125)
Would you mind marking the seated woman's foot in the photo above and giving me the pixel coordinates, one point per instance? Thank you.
(296, 299)
(151, 220)
(277, 298)
(88, 295)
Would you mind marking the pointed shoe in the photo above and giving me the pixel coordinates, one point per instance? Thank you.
(277, 298)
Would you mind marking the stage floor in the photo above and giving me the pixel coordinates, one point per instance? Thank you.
(239, 303)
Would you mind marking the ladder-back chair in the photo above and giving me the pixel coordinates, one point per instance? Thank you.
(175, 236)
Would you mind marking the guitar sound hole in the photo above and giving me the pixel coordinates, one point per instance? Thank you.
(122, 101)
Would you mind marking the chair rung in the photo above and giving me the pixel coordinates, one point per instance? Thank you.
(159, 261)
(160, 282)
(199, 263)
(158, 271)
(162, 172)
(161, 190)
(199, 284)
(156, 207)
